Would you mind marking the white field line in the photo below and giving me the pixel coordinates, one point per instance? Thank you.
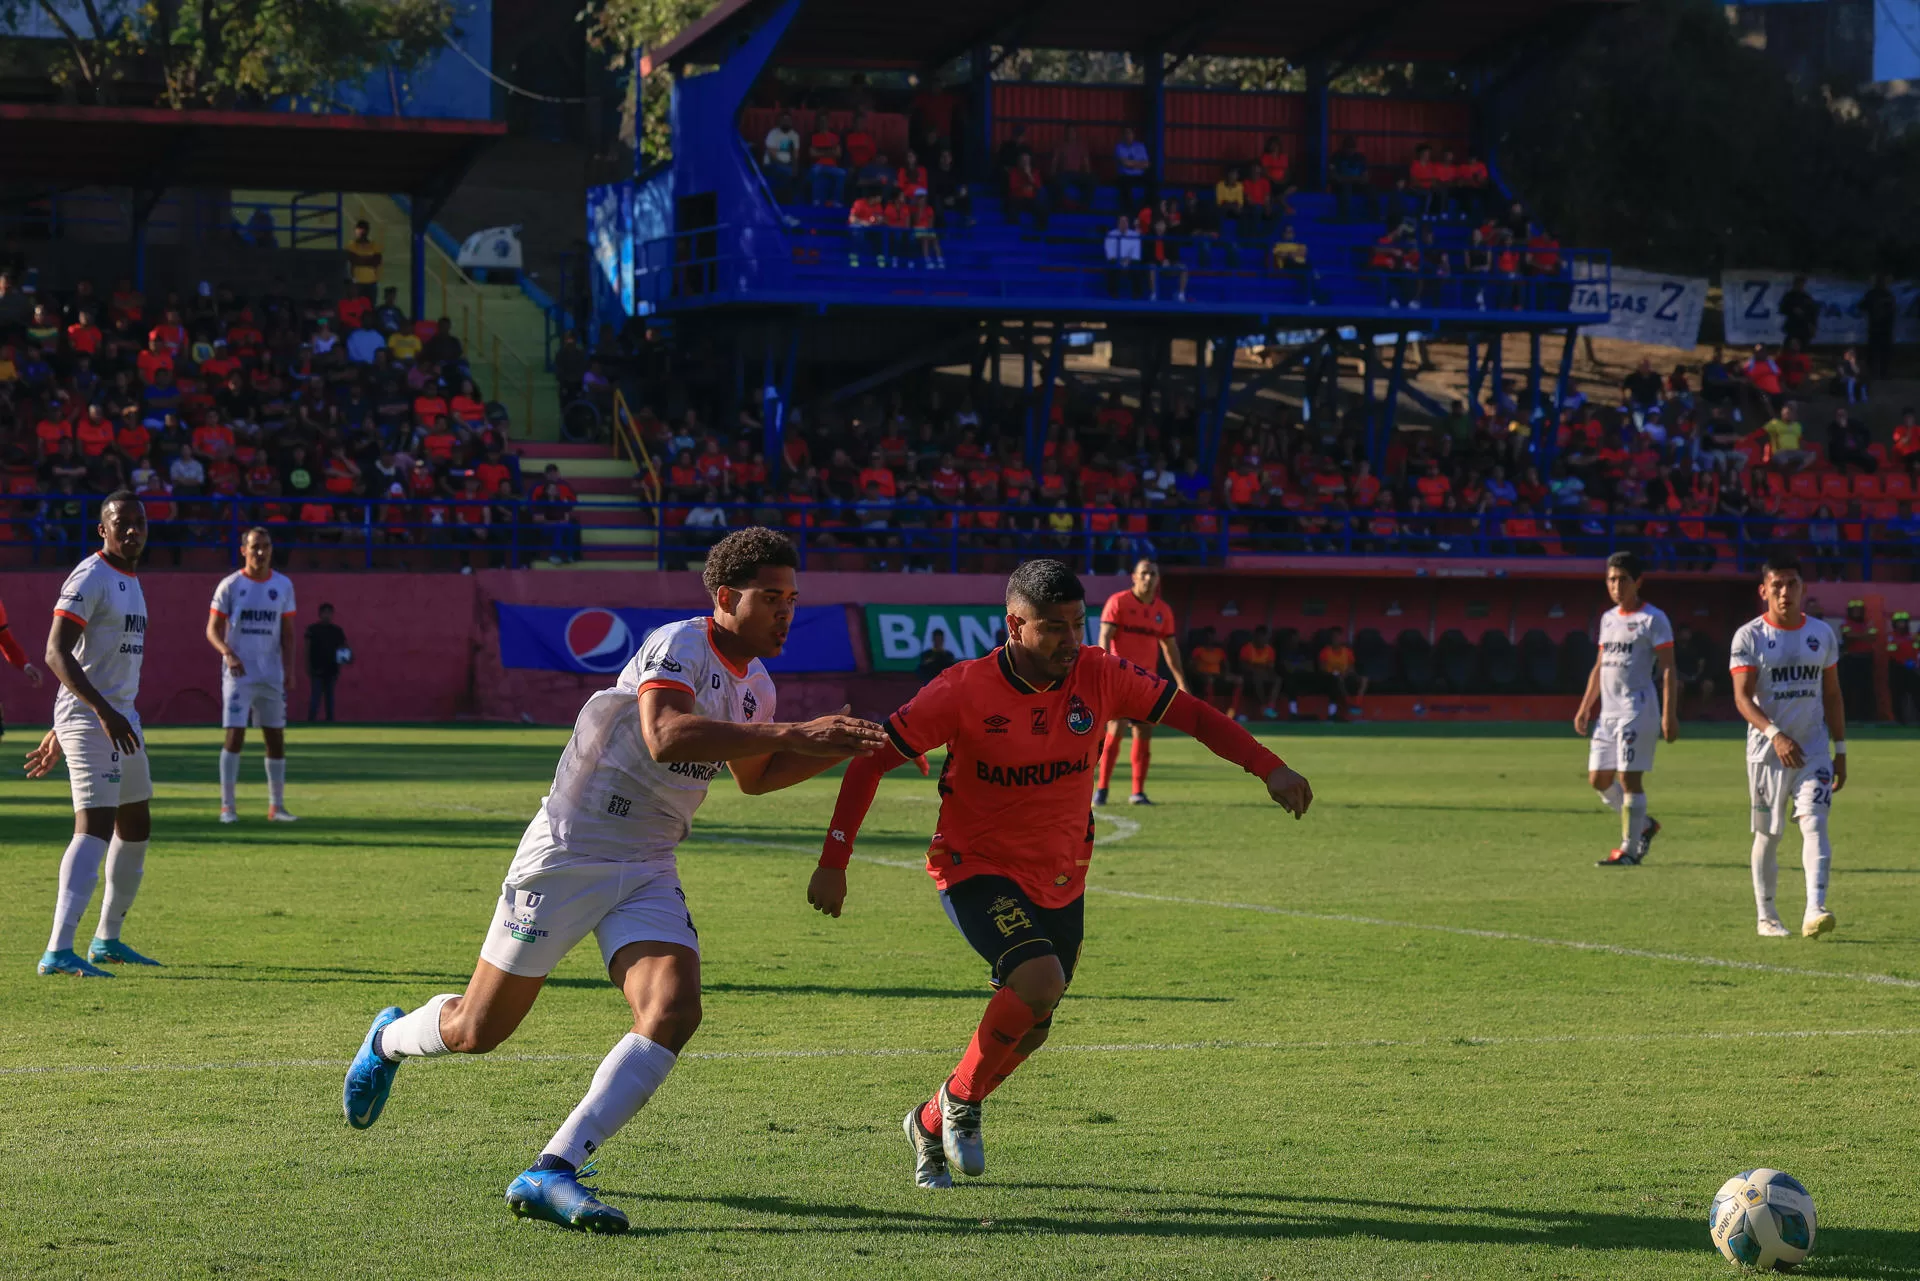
(1164, 1047)
(1126, 827)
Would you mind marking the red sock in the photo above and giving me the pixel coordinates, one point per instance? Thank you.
(985, 1064)
(1109, 753)
(1142, 753)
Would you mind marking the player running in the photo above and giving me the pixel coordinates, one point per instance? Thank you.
(11, 651)
(1138, 626)
(250, 624)
(1015, 835)
(1786, 683)
(1636, 642)
(599, 857)
(94, 650)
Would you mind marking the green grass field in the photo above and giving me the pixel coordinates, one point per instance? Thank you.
(1418, 1035)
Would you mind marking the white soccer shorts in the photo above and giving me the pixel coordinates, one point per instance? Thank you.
(266, 700)
(101, 775)
(1624, 743)
(1779, 795)
(544, 911)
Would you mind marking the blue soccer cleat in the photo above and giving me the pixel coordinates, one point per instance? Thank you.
(114, 952)
(369, 1076)
(67, 961)
(559, 1197)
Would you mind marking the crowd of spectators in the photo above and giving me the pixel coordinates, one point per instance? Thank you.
(334, 418)
(1687, 466)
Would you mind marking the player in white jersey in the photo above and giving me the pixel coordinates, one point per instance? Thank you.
(250, 624)
(599, 857)
(1636, 647)
(94, 649)
(1786, 683)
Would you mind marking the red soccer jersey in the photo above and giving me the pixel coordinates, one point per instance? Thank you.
(1138, 628)
(1017, 790)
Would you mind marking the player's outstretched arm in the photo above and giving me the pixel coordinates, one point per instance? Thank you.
(217, 637)
(1218, 733)
(827, 891)
(758, 775)
(674, 732)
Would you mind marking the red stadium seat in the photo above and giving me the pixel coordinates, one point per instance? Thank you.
(1803, 484)
(1866, 487)
(1897, 485)
(1835, 485)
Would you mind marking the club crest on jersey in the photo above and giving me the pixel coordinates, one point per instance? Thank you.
(1813, 644)
(749, 704)
(1079, 716)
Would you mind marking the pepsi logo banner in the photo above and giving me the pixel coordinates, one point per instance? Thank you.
(595, 641)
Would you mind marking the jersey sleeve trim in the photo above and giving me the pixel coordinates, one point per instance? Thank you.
(1664, 645)
(61, 613)
(1740, 668)
(216, 611)
(1161, 704)
(662, 682)
(900, 743)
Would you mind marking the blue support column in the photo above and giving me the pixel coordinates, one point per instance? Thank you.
(1056, 361)
(1157, 118)
(980, 163)
(1533, 377)
(1216, 419)
(1377, 451)
(774, 425)
(1319, 121)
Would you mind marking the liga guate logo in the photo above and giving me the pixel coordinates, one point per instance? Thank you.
(599, 640)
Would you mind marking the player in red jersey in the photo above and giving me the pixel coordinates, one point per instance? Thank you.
(1138, 626)
(11, 651)
(1016, 831)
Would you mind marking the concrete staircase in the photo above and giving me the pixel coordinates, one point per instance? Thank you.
(616, 528)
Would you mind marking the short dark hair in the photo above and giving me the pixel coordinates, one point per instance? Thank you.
(1629, 562)
(327, 608)
(117, 497)
(1779, 563)
(1044, 582)
(737, 559)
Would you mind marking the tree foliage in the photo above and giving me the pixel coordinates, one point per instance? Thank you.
(1665, 139)
(220, 53)
(621, 29)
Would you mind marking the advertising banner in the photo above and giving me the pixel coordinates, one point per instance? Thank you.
(597, 641)
(1645, 306)
(1752, 303)
(897, 634)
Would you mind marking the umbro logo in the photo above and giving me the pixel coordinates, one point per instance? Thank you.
(996, 724)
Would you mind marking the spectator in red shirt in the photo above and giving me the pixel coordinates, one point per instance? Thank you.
(876, 474)
(439, 443)
(947, 483)
(169, 333)
(83, 336)
(1070, 170)
(866, 230)
(1026, 193)
(911, 177)
(212, 436)
(156, 357)
(827, 176)
(862, 146)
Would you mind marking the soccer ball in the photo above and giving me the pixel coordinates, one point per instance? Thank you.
(1763, 1219)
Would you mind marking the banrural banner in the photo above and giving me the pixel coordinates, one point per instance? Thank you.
(898, 634)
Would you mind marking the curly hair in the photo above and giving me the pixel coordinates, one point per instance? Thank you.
(737, 559)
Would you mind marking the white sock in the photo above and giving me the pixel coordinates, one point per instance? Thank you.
(126, 864)
(229, 778)
(1612, 796)
(1816, 857)
(1766, 873)
(416, 1035)
(1633, 822)
(277, 782)
(622, 1084)
(79, 873)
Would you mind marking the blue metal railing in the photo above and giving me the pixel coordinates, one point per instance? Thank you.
(507, 533)
(511, 533)
(306, 220)
(869, 264)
